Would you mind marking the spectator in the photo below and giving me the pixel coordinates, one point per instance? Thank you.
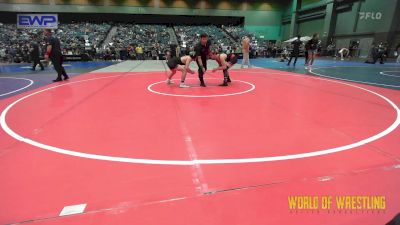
(139, 52)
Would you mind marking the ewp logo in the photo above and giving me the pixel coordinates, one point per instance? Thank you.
(49, 21)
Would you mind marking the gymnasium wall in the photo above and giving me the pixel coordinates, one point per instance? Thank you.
(350, 22)
(345, 21)
(260, 17)
(285, 30)
(286, 19)
(309, 27)
(306, 3)
(380, 25)
(265, 24)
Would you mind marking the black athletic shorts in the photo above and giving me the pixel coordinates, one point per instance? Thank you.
(174, 62)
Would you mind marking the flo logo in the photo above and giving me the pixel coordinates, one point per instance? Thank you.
(370, 16)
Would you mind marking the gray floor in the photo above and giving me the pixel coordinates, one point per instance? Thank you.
(150, 65)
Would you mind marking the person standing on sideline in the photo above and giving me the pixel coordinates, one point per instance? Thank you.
(54, 54)
(313, 47)
(373, 54)
(139, 52)
(398, 53)
(381, 53)
(246, 51)
(178, 51)
(295, 51)
(35, 53)
(306, 48)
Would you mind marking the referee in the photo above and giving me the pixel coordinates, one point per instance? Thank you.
(54, 53)
(202, 50)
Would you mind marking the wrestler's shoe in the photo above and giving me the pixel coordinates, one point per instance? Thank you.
(183, 85)
(224, 84)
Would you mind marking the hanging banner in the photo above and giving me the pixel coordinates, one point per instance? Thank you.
(35, 21)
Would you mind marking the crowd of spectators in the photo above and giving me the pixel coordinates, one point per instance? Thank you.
(15, 43)
(75, 38)
(138, 41)
(130, 41)
(188, 36)
(78, 38)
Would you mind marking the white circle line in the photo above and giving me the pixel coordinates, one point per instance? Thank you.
(149, 88)
(383, 133)
(20, 89)
(385, 74)
(343, 79)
